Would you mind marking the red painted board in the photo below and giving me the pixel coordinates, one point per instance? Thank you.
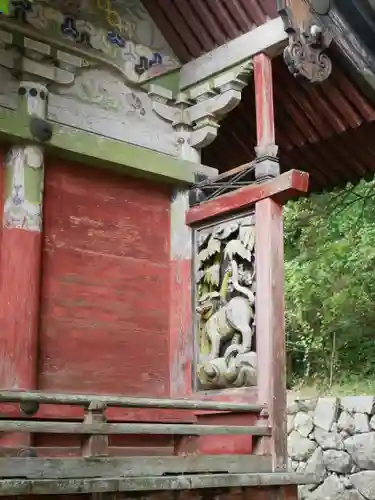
(280, 189)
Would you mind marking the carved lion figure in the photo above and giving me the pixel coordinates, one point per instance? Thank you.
(227, 321)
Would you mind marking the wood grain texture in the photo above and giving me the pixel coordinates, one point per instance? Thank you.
(181, 338)
(150, 483)
(19, 313)
(130, 466)
(211, 445)
(2, 157)
(105, 293)
(287, 492)
(265, 119)
(270, 335)
(19, 307)
(181, 328)
(281, 189)
(85, 400)
(100, 429)
(75, 451)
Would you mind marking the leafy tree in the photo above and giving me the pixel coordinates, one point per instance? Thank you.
(330, 284)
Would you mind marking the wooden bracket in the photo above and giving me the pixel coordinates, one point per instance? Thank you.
(305, 54)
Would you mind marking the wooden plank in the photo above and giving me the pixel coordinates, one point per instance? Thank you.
(99, 151)
(75, 451)
(280, 189)
(10, 487)
(269, 37)
(287, 492)
(180, 310)
(153, 429)
(97, 445)
(124, 402)
(50, 468)
(270, 325)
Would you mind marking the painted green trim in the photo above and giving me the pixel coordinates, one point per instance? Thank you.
(100, 151)
(170, 81)
(33, 184)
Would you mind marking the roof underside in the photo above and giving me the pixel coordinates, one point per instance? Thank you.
(326, 129)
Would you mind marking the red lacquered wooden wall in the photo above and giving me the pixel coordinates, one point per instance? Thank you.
(104, 294)
(2, 152)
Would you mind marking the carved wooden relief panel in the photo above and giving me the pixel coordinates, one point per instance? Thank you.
(94, 56)
(122, 31)
(305, 54)
(225, 304)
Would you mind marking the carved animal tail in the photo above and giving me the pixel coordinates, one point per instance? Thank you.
(245, 291)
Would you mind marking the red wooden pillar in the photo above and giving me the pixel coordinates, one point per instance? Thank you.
(270, 272)
(266, 150)
(21, 258)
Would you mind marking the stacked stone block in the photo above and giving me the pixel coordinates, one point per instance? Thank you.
(334, 438)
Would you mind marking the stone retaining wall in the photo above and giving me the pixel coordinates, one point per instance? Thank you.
(334, 438)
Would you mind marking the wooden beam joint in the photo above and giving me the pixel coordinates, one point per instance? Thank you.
(280, 189)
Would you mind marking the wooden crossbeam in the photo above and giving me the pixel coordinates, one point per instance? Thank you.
(124, 402)
(17, 487)
(54, 468)
(152, 429)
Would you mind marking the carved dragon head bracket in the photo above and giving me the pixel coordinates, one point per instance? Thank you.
(305, 54)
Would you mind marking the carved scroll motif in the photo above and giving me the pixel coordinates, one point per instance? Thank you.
(225, 304)
(305, 54)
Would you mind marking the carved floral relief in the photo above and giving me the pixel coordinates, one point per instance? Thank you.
(225, 304)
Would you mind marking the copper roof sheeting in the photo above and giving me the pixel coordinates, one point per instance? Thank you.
(324, 129)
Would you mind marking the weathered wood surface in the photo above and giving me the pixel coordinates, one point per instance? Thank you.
(105, 281)
(280, 189)
(125, 402)
(270, 337)
(97, 445)
(265, 119)
(153, 429)
(287, 492)
(185, 482)
(76, 451)
(20, 271)
(50, 468)
(180, 310)
(270, 325)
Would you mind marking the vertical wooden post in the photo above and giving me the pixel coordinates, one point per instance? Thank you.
(270, 324)
(97, 445)
(269, 273)
(181, 328)
(266, 148)
(21, 256)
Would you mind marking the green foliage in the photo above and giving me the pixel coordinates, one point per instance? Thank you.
(330, 285)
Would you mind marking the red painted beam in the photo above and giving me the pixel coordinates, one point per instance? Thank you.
(280, 189)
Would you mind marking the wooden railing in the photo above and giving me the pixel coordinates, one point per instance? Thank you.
(95, 471)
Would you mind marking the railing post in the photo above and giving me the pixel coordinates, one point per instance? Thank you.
(95, 446)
